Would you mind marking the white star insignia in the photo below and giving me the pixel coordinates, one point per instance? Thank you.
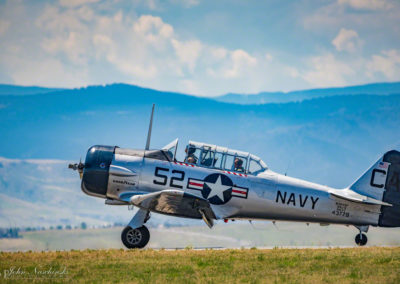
(217, 189)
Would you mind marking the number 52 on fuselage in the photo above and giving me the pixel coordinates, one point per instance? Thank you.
(215, 182)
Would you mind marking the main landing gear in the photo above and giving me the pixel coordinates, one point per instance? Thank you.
(135, 238)
(136, 235)
(361, 239)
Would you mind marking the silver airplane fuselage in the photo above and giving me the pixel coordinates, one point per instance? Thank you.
(269, 195)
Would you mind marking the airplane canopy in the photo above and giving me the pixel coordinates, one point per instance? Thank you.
(209, 155)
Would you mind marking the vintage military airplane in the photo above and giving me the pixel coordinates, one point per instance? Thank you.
(214, 183)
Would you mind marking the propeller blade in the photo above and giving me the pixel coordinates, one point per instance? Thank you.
(78, 167)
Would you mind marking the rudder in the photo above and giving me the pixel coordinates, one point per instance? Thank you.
(382, 182)
(390, 216)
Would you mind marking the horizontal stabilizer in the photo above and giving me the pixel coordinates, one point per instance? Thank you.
(350, 195)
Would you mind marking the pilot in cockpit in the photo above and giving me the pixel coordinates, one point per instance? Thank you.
(190, 156)
(239, 165)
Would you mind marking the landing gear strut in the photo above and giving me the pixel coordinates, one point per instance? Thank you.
(135, 238)
(361, 239)
(136, 235)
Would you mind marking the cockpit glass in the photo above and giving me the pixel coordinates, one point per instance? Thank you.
(207, 157)
(171, 152)
(263, 164)
(254, 167)
(218, 160)
(212, 156)
(229, 162)
(170, 149)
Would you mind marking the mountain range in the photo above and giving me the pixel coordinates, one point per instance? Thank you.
(282, 97)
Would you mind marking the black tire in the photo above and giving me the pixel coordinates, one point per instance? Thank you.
(361, 240)
(135, 238)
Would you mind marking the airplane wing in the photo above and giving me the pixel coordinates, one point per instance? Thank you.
(173, 202)
(350, 195)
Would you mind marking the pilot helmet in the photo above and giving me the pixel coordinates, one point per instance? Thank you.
(191, 150)
(239, 162)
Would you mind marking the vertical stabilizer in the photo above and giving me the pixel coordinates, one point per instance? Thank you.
(372, 182)
(382, 182)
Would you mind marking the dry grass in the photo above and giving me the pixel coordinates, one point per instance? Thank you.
(372, 265)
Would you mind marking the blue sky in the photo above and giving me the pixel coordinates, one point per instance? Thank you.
(200, 47)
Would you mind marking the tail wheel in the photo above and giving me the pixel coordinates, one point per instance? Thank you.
(135, 238)
(361, 239)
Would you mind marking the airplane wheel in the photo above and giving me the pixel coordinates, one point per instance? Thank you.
(135, 238)
(361, 239)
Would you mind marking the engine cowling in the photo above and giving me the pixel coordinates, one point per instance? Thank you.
(96, 170)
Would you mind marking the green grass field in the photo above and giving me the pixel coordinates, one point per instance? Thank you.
(352, 265)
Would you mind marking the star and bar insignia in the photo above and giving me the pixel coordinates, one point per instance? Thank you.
(217, 188)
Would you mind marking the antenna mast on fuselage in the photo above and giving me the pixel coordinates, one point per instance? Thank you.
(150, 128)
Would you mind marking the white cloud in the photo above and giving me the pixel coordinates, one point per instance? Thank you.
(218, 53)
(387, 63)
(186, 3)
(4, 25)
(347, 40)
(327, 71)
(144, 52)
(372, 24)
(367, 4)
(159, 5)
(151, 50)
(190, 86)
(67, 33)
(71, 45)
(58, 22)
(45, 72)
(75, 3)
(132, 46)
(152, 4)
(152, 28)
(86, 13)
(188, 52)
(102, 40)
(293, 72)
(240, 61)
(231, 64)
(83, 44)
(143, 71)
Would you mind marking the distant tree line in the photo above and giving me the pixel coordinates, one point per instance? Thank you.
(12, 233)
(15, 232)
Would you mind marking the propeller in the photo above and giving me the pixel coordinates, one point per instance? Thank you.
(78, 167)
